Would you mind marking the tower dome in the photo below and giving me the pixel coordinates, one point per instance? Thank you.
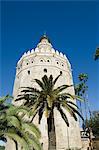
(44, 44)
(45, 37)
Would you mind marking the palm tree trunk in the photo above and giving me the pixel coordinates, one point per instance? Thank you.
(51, 132)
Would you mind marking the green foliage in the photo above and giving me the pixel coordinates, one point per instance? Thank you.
(93, 122)
(2, 148)
(96, 54)
(14, 126)
(81, 88)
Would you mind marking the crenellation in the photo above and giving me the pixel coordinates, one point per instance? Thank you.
(64, 56)
(32, 59)
(36, 49)
(28, 53)
(24, 54)
(61, 54)
(53, 50)
(32, 51)
(57, 52)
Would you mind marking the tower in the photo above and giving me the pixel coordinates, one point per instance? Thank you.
(35, 64)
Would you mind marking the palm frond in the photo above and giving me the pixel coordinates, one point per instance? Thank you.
(54, 82)
(30, 127)
(67, 108)
(50, 82)
(21, 98)
(45, 81)
(34, 142)
(79, 98)
(63, 116)
(61, 88)
(31, 89)
(69, 102)
(76, 111)
(71, 112)
(22, 141)
(39, 83)
(72, 97)
(3, 99)
(14, 121)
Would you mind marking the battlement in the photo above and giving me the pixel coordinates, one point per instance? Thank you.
(52, 58)
(36, 50)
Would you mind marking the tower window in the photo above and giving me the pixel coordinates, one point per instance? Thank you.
(48, 60)
(62, 65)
(28, 72)
(32, 62)
(41, 60)
(45, 70)
(57, 62)
(27, 63)
(18, 68)
(60, 72)
(21, 65)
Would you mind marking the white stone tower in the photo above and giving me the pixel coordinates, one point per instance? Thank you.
(44, 59)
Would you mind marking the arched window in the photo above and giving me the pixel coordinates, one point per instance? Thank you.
(45, 70)
(57, 61)
(48, 60)
(28, 72)
(41, 60)
(18, 68)
(60, 72)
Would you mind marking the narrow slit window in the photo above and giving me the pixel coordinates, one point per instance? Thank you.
(60, 72)
(28, 72)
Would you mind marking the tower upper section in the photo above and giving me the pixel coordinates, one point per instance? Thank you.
(44, 45)
(43, 55)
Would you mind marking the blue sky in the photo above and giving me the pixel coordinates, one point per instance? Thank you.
(73, 28)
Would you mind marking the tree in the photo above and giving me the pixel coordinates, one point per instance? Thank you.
(14, 126)
(93, 122)
(80, 90)
(46, 99)
(96, 56)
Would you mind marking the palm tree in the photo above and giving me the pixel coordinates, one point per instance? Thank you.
(81, 90)
(14, 126)
(96, 54)
(46, 99)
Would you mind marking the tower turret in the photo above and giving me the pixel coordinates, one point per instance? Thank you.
(44, 44)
